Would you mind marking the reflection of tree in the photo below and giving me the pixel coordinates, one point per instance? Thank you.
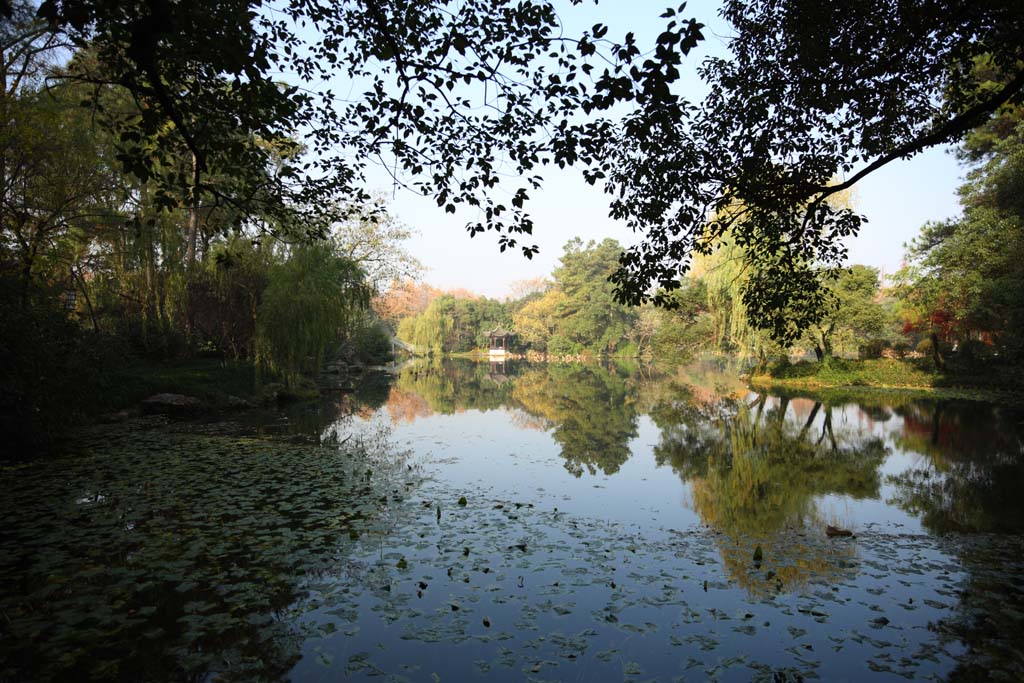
(447, 388)
(525, 420)
(703, 382)
(589, 410)
(989, 616)
(754, 475)
(974, 475)
(971, 481)
(407, 406)
(753, 470)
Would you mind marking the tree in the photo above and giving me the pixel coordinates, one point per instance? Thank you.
(403, 299)
(454, 324)
(450, 98)
(537, 321)
(686, 325)
(725, 275)
(53, 183)
(964, 282)
(812, 91)
(310, 299)
(27, 48)
(521, 289)
(589, 316)
(855, 315)
(374, 241)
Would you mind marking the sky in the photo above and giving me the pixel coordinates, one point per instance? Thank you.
(897, 199)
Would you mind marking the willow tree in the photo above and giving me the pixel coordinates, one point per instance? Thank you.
(725, 274)
(311, 298)
(429, 330)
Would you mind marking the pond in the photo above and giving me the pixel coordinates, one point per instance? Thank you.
(498, 522)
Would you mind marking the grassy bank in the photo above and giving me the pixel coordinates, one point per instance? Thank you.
(849, 378)
(211, 380)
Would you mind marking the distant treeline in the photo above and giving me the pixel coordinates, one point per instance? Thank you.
(957, 302)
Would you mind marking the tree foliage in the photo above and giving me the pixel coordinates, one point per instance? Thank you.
(855, 315)
(453, 97)
(964, 282)
(310, 299)
(450, 97)
(589, 317)
(454, 324)
(811, 91)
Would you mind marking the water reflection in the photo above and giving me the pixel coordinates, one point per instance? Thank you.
(972, 477)
(763, 471)
(755, 463)
(757, 469)
(588, 409)
(186, 552)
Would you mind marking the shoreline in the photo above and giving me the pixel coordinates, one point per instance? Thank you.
(854, 383)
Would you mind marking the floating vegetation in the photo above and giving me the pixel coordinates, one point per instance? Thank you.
(179, 551)
(156, 554)
(614, 602)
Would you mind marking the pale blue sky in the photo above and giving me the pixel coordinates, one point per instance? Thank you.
(897, 200)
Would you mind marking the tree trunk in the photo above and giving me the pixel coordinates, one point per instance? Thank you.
(152, 320)
(819, 353)
(940, 362)
(193, 217)
(190, 248)
(936, 422)
(810, 419)
(783, 407)
(88, 301)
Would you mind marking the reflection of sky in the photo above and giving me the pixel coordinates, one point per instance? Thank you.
(496, 453)
(720, 607)
(487, 452)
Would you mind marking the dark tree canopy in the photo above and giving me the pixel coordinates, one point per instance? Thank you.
(452, 98)
(814, 97)
(277, 111)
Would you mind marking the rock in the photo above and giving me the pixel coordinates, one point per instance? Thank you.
(270, 392)
(121, 415)
(171, 404)
(237, 403)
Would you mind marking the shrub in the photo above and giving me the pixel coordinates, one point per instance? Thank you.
(372, 344)
(51, 371)
(872, 349)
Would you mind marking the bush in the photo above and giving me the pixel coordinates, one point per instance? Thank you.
(900, 349)
(973, 350)
(372, 344)
(562, 346)
(51, 371)
(872, 349)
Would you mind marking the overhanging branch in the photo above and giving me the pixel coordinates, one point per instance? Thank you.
(952, 129)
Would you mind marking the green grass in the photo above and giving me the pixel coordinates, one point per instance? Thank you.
(210, 380)
(857, 377)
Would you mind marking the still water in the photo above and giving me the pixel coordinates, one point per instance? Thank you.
(470, 521)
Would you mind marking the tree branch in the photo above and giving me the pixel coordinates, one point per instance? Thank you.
(951, 129)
